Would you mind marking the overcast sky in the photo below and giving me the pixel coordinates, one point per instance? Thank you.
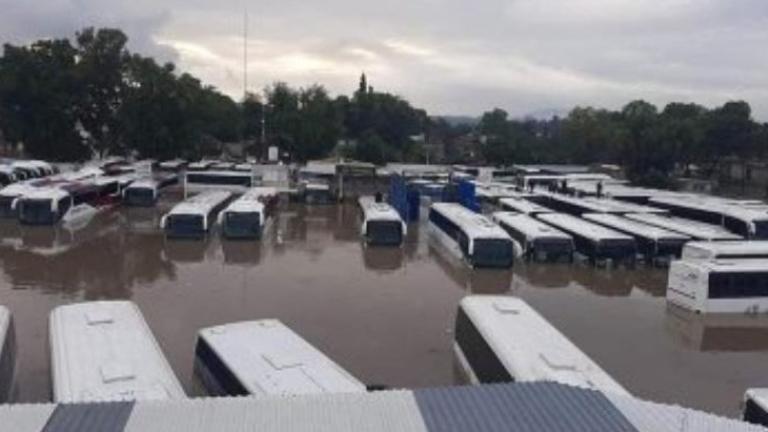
(450, 56)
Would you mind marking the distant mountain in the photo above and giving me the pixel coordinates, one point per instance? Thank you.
(460, 120)
(547, 114)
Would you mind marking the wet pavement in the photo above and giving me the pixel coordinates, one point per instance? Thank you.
(385, 315)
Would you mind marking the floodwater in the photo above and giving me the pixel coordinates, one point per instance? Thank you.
(386, 315)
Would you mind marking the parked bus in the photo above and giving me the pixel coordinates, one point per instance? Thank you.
(651, 241)
(524, 206)
(233, 181)
(723, 286)
(381, 224)
(266, 358)
(69, 203)
(730, 250)
(501, 339)
(194, 217)
(104, 351)
(249, 216)
(749, 223)
(693, 229)
(536, 240)
(145, 192)
(470, 236)
(594, 241)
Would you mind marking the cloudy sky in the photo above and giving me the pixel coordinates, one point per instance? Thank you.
(449, 56)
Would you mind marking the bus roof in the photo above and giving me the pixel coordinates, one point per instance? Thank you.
(379, 211)
(697, 230)
(46, 193)
(743, 210)
(604, 205)
(105, 351)
(251, 201)
(529, 226)
(582, 228)
(201, 204)
(731, 247)
(268, 358)
(523, 206)
(473, 224)
(634, 228)
(530, 347)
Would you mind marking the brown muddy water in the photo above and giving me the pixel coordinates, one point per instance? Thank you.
(385, 315)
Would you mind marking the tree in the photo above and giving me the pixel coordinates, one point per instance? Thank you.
(730, 131)
(682, 128)
(101, 59)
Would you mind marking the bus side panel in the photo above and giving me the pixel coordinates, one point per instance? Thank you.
(686, 287)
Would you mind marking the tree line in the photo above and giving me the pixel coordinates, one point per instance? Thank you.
(650, 144)
(71, 100)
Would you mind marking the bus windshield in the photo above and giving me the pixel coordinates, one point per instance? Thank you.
(185, 226)
(495, 253)
(140, 196)
(761, 230)
(241, 224)
(384, 232)
(37, 212)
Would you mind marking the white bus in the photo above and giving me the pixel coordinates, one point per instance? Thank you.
(524, 206)
(9, 197)
(316, 193)
(380, 223)
(104, 351)
(755, 408)
(145, 192)
(693, 229)
(470, 236)
(652, 241)
(596, 242)
(174, 165)
(750, 223)
(711, 251)
(74, 203)
(249, 216)
(266, 358)
(502, 339)
(194, 217)
(579, 206)
(535, 240)
(233, 181)
(723, 286)
(7, 355)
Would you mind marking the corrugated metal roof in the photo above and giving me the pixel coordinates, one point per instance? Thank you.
(373, 412)
(655, 417)
(102, 417)
(520, 407)
(24, 418)
(523, 407)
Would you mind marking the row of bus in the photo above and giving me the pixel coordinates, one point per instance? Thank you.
(13, 171)
(105, 351)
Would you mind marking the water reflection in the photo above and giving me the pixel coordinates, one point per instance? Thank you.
(543, 275)
(186, 251)
(717, 332)
(382, 259)
(477, 281)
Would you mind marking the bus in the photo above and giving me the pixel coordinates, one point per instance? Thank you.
(194, 217)
(7, 356)
(249, 216)
(596, 242)
(470, 236)
(535, 240)
(381, 224)
(145, 192)
(755, 407)
(722, 286)
(266, 358)
(233, 181)
(652, 241)
(104, 351)
(579, 206)
(73, 203)
(748, 222)
(524, 206)
(711, 251)
(695, 230)
(500, 339)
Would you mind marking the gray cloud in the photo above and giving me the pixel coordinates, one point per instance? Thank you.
(449, 56)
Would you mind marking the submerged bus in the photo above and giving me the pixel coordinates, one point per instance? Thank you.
(536, 240)
(103, 352)
(145, 192)
(471, 236)
(722, 286)
(249, 216)
(381, 224)
(695, 230)
(596, 242)
(652, 241)
(266, 358)
(194, 217)
(711, 251)
(501, 339)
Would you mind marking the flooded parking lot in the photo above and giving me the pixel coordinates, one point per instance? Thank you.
(386, 315)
